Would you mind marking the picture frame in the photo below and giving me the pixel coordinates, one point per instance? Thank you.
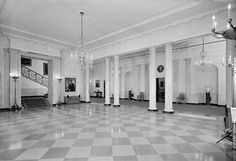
(97, 83)
(70, 84)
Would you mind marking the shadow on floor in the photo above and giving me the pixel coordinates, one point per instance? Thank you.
(206, 110)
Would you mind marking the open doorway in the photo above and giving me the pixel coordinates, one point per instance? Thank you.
(160, 89)
(34, 82)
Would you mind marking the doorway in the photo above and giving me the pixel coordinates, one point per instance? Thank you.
(160, 89)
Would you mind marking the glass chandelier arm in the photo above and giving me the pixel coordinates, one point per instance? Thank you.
(230, 23)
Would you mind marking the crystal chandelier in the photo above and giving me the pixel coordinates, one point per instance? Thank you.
(82, 54)
(229, 33)
(202, 64)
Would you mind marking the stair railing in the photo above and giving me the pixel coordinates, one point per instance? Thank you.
(34, 76)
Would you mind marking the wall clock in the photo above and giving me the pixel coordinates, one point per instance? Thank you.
(160, 68)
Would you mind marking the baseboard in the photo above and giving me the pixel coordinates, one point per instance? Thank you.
(5, 109)
(152, 110)
(32, 96)
(211, 104)
(124, 98)
(139, 100)
(169, 112)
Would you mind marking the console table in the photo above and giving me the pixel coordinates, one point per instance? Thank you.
(98, 93)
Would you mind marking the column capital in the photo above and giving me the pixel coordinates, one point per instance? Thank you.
(4, 41)
(116, 56)
(152, 48)
(168, 43)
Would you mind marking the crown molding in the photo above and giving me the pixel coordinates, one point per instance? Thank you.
(30, 45)
(149, 20)
(147, 35)
(8, 8)
(45, 38)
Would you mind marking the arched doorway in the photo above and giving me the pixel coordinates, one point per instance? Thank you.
(208, 83)
(128, 83)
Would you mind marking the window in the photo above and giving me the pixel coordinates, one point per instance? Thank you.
(45, 68)
(26, 62)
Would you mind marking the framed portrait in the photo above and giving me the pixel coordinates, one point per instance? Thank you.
(97, 83)
(70, 84)
(160, 68)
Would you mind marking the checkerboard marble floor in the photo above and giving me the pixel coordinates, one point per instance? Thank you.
(93, 132)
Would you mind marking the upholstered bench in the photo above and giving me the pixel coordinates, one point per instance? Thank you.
(71, 99)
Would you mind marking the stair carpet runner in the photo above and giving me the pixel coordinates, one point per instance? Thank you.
(34, 101)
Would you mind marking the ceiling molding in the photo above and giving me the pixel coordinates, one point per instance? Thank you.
(34, 46)
(62, 43)
(145, 22)
(166, 27)
(9, 7)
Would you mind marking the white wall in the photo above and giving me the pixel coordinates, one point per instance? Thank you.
(71, 69)
(99, 74)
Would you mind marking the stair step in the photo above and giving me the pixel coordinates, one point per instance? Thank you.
(36, 101)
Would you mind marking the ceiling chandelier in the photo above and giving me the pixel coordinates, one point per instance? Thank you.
(230, 32)
(203, 63)
(82, 54)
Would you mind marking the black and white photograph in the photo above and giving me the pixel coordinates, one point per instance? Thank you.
(117, 80)
(70, 84)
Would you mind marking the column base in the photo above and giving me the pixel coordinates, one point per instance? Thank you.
(116, 105)
(169, 112)
(59, 103)
(153, 110)
(107, 104)
(87, 101)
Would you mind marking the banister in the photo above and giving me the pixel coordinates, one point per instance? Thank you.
(34, 76)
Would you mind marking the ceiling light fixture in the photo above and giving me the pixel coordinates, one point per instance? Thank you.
(203, 63)
(230, 32)
(82, 54)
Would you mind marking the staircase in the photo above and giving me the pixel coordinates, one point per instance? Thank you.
(34, 101)
(34, 76)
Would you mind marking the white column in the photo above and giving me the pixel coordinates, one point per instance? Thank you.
(230, 81)
(4, 72)
(168, 80)
(135, 91)
(152, 80)
(107, 76)
(230, 50)
(181, 76)
(116, 81)
(122, 82)
(142, 78)
(87, 97)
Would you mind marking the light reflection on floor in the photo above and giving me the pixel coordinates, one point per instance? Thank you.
(96, 132)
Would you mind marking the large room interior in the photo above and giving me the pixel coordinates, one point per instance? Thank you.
(107, 80)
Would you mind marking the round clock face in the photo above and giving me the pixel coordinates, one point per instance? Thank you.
(160, 68)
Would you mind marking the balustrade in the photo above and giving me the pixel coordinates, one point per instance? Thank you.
(34, 76)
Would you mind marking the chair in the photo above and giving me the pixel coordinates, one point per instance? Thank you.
(181, 98)
(141, 96)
